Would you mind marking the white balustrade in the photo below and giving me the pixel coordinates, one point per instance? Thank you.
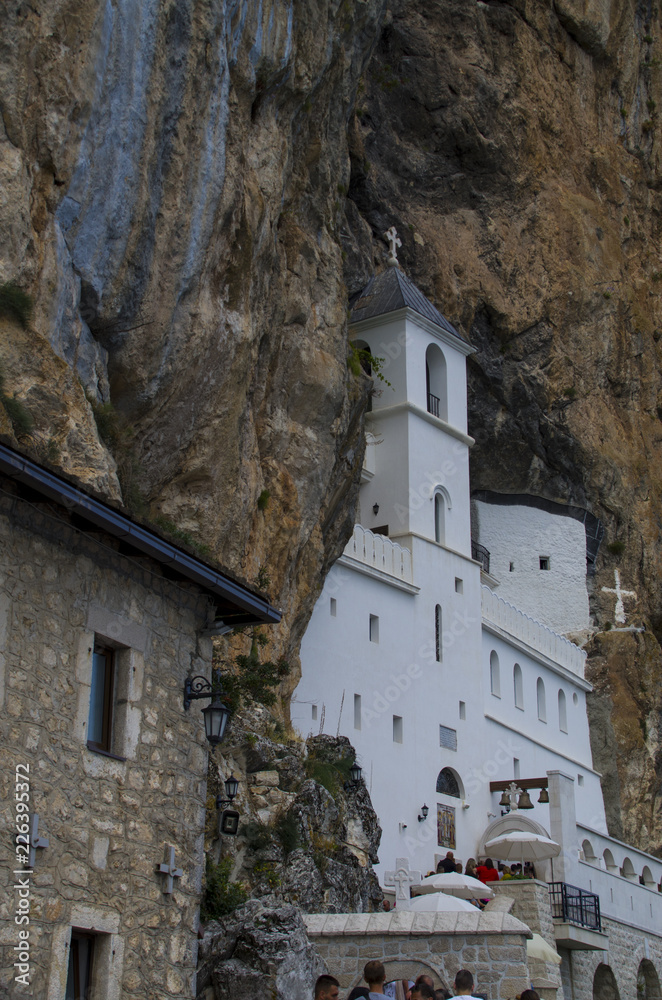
(536, 635)
(380, 552)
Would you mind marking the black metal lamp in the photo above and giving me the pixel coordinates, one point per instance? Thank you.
(216, 714)
(231, 789)
(355, 773)
(423, 815)
(375, 509)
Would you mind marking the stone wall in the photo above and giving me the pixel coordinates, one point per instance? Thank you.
(631, 952)
(628, 947)
(107, 818)
(491, 945)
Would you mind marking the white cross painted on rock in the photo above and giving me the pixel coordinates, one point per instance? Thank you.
(619, 610)
(168, 869)
(394, 242)
(35, 840)
(402, 878)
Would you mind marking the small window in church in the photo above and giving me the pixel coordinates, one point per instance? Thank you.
(463, 710)
(100, 720)
(447, 738)
(397, 729)
(357, 711)
(544, 562)
(511, 568)
(516, 770)
(332, 607)
(437, 633)
(459, 585)
(314, 713)
(374, 628)
(580, 779)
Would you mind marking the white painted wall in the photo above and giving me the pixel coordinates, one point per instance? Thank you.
(519, 536)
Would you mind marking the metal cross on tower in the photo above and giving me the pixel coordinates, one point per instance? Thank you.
(394, 242)
(168, 869)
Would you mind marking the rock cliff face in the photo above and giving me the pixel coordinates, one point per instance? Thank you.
(189, 191)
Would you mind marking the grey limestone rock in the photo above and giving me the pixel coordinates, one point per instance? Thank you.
(262, 951)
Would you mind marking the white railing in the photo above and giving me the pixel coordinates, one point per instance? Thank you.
(536, 635)
(381, 553)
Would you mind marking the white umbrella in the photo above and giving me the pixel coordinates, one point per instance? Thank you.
(454, 884)
(439, 902)
(521, 846)
(537, 947)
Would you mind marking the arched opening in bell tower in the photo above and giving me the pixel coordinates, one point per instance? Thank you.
(436, 382)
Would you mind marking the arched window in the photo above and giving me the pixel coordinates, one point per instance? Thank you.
(589, 853)
(439, 518)
(437, 633)
(646, 877)
(542, 701)
(495, 675)
(604, 984)
(627, 871)
(518, 687)
(610, 864)
(447, 783)
(563, 713)
(436, 384)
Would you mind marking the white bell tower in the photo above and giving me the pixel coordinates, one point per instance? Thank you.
(418, 424)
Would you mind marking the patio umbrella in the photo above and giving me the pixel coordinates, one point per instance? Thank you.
(537, 947)
(440, 902)
(454, 884)
(521, 846)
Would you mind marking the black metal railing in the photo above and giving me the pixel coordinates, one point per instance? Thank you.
(433, 405)
(481, 555)
(575, 905)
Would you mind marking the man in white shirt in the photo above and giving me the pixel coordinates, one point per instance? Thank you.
(374, 974)
(464, 984)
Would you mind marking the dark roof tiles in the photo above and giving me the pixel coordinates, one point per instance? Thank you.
(392, 290)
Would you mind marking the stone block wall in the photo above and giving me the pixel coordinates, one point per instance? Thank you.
(107, 818)
(492, 946)
(632, 952)
(531, 905)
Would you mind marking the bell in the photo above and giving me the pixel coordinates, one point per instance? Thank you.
(544, 795)
(524, 801)
(505, 798)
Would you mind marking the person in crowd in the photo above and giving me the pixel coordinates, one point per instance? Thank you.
(470, 868)
(529, 870)
(464, 984)
(424, 979)
(487, 872)
(507, 874)
(447, 864)
(358, 993)
(326, 988)
(422, 992)
(374, 974)
(458, 867)
(442, 994)
(386, 905)
(529, 995)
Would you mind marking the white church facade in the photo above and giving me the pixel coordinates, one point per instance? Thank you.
(443, 658)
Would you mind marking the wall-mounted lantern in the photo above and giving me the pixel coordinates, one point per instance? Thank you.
(231, 789)
(216, 714)
(375, 509)
(423, 815)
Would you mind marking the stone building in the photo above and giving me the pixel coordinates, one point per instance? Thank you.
(101, 623)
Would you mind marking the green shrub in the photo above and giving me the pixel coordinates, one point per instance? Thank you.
(616, 548)
(258, 835)
(287, 832)
(332, 775)
(221, 896)
(263, 500)
(19, 415)
(15, 304)
(570, 392)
